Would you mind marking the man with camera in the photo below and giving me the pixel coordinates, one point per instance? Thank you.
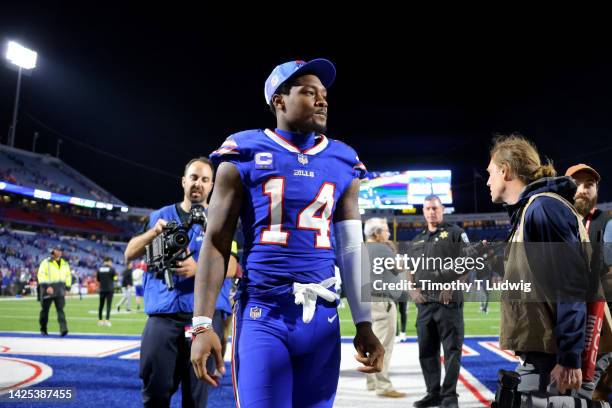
(168, 291)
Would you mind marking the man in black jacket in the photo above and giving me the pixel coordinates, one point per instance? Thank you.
(126, 288)
(440, 313)
(106, 278)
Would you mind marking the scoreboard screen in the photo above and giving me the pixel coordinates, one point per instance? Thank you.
(404, 190)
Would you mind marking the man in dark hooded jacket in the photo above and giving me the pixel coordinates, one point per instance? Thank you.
(547, 335)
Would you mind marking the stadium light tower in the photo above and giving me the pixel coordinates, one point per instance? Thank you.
(24, 58)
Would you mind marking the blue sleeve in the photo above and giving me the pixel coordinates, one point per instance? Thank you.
(550, 221)
(359, 169)
(607, 240)
(234, 151)
(569, 331)
(153, 217)
(349, 156)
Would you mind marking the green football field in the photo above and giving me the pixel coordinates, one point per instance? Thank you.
(82, 316)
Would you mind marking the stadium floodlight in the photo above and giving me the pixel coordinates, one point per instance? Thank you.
(21, 56)
(24, 58)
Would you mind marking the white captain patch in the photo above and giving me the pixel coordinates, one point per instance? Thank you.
(263, 160)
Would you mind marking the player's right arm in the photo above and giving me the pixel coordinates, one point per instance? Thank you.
(136, 247)
(223, 213)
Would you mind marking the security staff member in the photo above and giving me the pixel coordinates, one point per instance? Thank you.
(165, 347)
(440, 314)
(53, 278)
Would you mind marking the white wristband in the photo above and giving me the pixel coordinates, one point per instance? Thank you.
(200, 320)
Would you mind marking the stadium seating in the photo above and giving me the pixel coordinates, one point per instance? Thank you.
(50, 174)
(67, 222)
(25, 250)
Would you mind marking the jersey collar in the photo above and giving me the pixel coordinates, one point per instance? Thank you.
(320, 144)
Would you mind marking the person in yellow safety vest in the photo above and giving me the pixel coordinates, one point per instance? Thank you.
(53, 278)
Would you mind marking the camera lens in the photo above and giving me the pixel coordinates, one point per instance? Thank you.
(181, 239)
(178, 240)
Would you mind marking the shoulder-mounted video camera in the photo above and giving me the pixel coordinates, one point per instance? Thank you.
(170, 247)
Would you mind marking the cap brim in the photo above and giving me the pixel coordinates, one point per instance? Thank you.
(583, 168)
(322, 68)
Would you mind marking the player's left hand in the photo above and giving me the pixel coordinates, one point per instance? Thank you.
(204, 346)
(370, 352)
(186, 268)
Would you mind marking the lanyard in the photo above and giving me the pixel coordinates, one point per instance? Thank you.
(588, 219)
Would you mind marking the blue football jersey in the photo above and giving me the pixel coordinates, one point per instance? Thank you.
(289, 199)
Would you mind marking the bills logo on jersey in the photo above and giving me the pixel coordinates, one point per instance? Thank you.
(303, 159)
(255, 312)
(263, 160)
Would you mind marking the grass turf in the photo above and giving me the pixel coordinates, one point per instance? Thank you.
(82, 317)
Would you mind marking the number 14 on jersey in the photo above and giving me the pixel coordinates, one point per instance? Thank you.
(316, 216)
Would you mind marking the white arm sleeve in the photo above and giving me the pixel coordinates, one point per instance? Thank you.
(348, 256)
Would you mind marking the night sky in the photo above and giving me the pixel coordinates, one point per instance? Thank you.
(157, 91)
